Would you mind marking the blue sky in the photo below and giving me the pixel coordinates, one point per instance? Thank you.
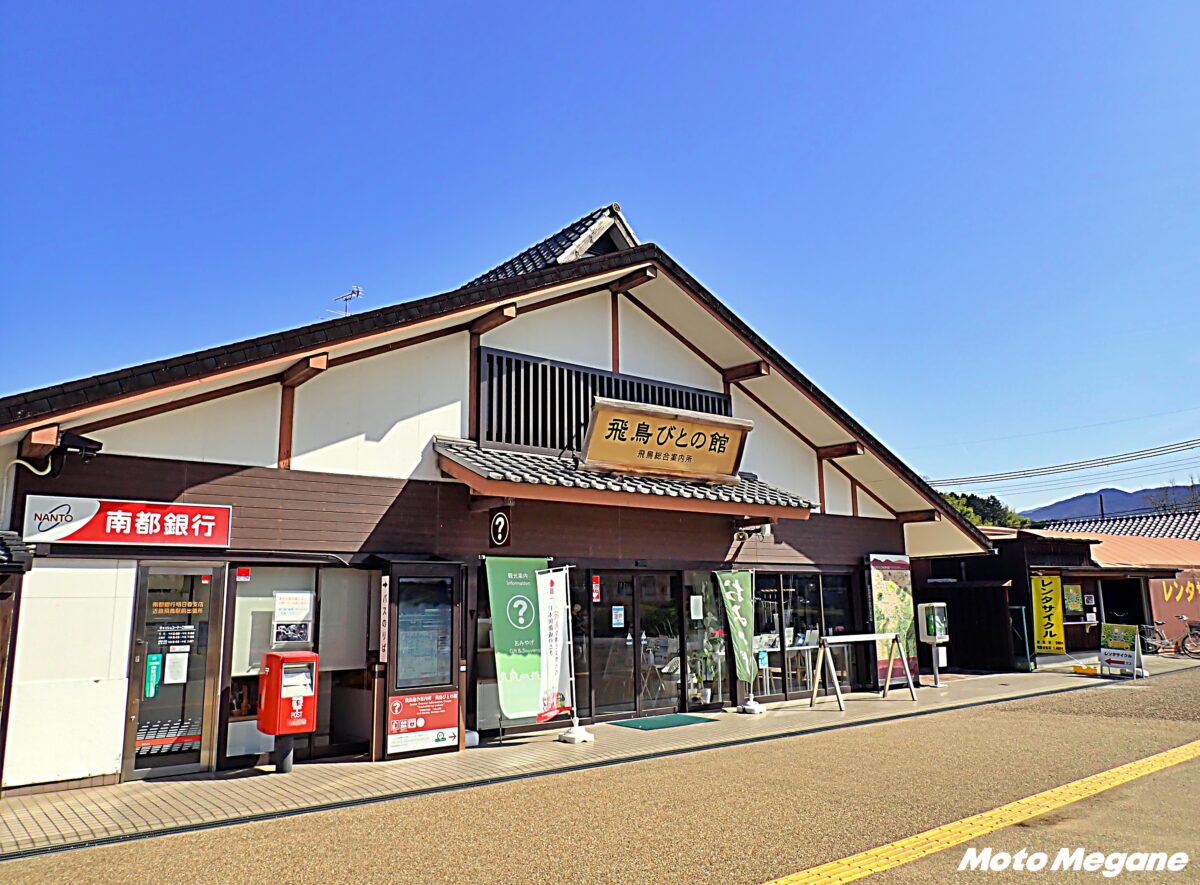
(966, 223)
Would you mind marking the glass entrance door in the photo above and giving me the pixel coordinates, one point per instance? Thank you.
(637, 667)
(173, 670)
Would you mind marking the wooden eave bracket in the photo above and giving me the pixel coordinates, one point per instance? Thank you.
(305, 370)
(910, 516)
(746, 371)
(484, 503)
(39, 442)
(632, 280)
(840, 450)
(493, 319)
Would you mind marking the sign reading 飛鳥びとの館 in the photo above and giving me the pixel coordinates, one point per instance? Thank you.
(638, 438)
(62, 520)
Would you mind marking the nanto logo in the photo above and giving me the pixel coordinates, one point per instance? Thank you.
(54, 516)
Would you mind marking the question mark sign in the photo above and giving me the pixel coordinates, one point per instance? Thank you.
(518, 611)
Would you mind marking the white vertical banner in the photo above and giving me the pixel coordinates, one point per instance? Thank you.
(553, 599)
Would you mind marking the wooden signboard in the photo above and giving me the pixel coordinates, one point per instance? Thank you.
(626, 437)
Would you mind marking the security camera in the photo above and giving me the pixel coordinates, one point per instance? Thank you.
(86, 448)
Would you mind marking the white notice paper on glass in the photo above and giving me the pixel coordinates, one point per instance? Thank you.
(618, 616)
(175, 668)
(697, 608)
(291, 607)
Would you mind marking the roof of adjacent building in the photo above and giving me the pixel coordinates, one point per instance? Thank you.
(1115, 551)
(597, 233)
(502, 465)
(14, 555)
(1184, 524)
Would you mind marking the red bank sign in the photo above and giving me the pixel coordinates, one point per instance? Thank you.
(93, 521)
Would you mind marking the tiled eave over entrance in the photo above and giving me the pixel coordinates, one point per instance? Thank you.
(525, 475)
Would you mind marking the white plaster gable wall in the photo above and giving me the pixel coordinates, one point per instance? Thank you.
(868, 506)
(378, 416)
(775, 454)
(648, 350)
(70, 682)
(577, 331)
(238, 429)
(838, 492)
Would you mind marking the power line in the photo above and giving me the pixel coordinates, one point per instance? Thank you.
(1106, 475)
(971, 442)
(1072, 466)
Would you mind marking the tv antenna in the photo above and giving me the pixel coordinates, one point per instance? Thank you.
(355, 292)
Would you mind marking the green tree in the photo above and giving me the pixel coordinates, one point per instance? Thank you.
(986, 511)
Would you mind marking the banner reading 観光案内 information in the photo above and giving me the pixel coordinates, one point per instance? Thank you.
(892, 603)
(738, 592)
(516, 634)
(1049, 637)
(552, 589)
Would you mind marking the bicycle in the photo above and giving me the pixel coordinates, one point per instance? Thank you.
(1154, 639)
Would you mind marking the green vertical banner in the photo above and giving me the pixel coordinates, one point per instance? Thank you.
(737, 589)
(516, 633)
(153, 674)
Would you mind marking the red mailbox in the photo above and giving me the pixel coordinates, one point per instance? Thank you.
(287, 693)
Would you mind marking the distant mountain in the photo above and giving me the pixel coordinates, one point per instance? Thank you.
(1115, 501)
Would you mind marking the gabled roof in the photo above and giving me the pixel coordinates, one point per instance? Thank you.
(1183, 524)
(61, 402)
(597, 233)
(1115, 551)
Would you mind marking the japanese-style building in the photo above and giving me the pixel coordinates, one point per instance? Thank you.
(336, 487)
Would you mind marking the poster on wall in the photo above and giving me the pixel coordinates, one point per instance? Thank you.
(1049, 637)
(892, 605)
(422, 721)
(737, 590)
(516, 633)
(1073, 598)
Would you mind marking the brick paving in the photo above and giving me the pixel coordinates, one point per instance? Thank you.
(72, 818)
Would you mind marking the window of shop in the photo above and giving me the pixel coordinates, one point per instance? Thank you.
(302, 608)
(707, 659)
(791, 612)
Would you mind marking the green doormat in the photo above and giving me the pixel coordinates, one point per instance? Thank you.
(671, 720)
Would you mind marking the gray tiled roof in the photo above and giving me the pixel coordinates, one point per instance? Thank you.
(526, 467)
(547, 252)
(1180, 524)
(14, 555)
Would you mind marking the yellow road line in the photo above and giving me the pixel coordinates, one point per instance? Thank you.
(895, 854)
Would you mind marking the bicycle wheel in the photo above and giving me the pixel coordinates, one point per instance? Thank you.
(1150, 640)
(1191, 645)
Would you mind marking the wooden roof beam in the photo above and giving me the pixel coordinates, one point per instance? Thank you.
(636, 278)
(39, 442)
(304, 370)
(840, 450)
(493, 319)
(906, 517)
(746, 371)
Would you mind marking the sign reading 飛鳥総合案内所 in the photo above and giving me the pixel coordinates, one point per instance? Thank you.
(638, 438)
(1049, 637)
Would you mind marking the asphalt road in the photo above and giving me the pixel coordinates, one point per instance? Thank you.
(738, 815)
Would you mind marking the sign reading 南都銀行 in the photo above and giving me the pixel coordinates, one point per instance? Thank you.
(638, 438)
(60, 520)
